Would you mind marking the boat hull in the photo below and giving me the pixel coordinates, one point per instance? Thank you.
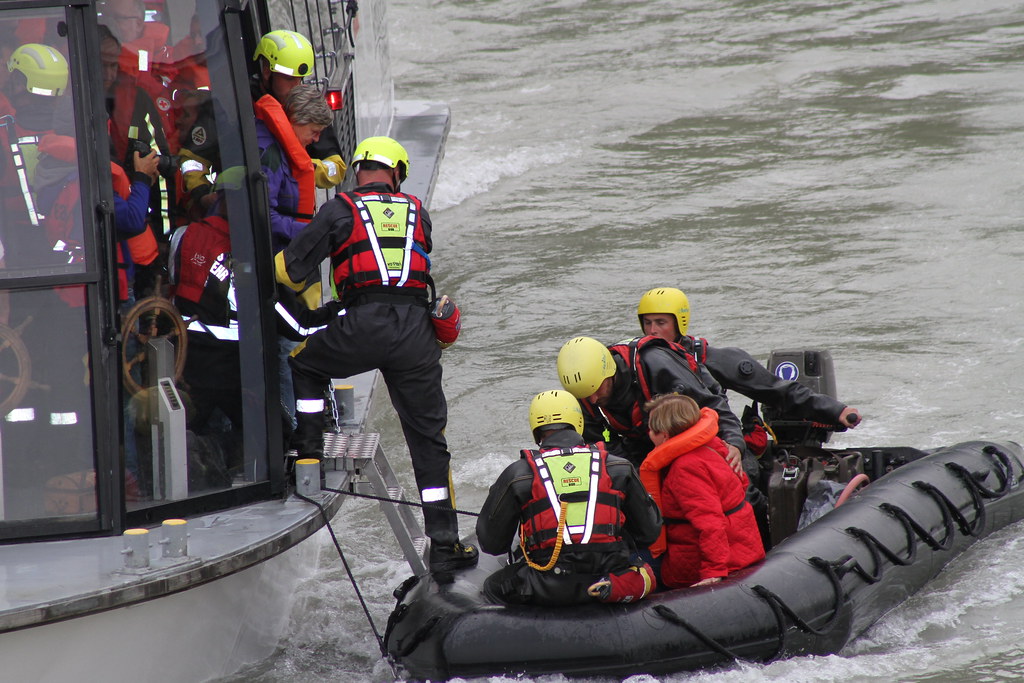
(812, 594)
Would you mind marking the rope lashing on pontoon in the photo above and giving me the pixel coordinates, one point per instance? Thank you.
(952, 519)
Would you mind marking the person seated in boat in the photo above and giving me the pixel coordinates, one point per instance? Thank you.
(580, 513)
(664, 312)
(710, 529)
(613, 383)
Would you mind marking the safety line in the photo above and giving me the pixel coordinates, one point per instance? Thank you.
(352, 579)
(435, 506)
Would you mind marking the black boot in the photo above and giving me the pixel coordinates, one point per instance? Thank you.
(448, 558)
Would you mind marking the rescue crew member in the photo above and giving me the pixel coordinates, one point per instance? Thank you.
(39, 75)
(378, 240)
(665, 312)
(580, 513)
(139, 103)
(613, 383)
(55, 408)
(710, 528)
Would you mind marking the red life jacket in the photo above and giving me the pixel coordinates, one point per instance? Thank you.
(596, 501)
(201, 244)
(356, 261)
(629, 351)
(270, 112)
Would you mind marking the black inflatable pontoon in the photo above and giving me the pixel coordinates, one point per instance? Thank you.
(813, 593)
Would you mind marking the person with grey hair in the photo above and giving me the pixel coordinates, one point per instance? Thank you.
(283, 132)
(306, 107)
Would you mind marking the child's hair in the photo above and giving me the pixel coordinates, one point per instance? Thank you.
(671, 413)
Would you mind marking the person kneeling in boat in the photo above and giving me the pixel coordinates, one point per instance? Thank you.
(579, 511)
(710, 530)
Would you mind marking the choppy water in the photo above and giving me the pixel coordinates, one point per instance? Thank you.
(844, 175)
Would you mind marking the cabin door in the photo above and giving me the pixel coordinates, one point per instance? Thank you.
(58, 421)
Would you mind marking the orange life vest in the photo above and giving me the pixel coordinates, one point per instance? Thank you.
(271, 113)
(60, 221)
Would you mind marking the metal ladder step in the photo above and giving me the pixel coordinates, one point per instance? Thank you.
(370, 472)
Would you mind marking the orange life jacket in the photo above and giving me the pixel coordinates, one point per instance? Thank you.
(60, 221)
(271, 113)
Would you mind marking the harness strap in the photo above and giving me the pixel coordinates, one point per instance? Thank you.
(684, 520)
(383, 294)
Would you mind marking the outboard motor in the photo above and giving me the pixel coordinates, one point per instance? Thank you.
(814, 369)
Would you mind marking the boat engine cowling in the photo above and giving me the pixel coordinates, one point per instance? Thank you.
(814, 369)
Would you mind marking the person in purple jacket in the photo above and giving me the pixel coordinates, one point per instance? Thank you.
(282, 134)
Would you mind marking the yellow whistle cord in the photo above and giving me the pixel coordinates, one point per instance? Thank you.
(558, 543)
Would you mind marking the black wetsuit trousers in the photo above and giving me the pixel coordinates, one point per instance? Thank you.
(398, 340)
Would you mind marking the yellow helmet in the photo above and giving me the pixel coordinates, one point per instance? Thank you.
(667, 300)
(385, 151)
(556, 407)
(45, 69)
(583, 364)
(287, 52)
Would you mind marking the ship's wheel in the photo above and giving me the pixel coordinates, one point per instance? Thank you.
(15, 366)
(151, 318)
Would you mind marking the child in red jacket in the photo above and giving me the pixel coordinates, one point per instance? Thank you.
(710, 529)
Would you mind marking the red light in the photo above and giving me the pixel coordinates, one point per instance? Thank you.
(335, 100)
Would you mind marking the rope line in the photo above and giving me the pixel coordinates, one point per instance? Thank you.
(398, 501)
(352, 579)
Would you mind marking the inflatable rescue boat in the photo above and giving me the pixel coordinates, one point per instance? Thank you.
(823, 582)
(812, 594)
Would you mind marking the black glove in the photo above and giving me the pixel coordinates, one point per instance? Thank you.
(320, 316)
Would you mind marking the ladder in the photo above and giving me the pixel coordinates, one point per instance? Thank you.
(361, 456)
